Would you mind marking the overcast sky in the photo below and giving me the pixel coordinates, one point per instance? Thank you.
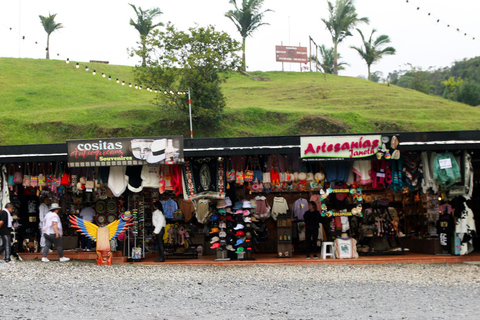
(100, 30)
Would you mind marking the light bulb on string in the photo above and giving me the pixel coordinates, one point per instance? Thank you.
(123, 83)
(68, 60)
(46, 49)
(77, 66)
(118, 81)
(58, 54)
(109, 77)
(130, 84)
(141, 87)
(136, 87)
(94, 72)
(103, 75)
(86, 68)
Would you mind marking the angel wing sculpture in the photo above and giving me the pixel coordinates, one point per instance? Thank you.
(102, 235)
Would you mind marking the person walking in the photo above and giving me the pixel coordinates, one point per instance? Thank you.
(86, 214)
(53, 231)
(312, 223)
(159, 222)
(42, 212)
(5, 232)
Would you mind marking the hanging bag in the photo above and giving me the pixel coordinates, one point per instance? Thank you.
(26, 177)
(66, 179)
(34, 176)
(231, 173)
(42, 182)
(248, 175)
(18, 176)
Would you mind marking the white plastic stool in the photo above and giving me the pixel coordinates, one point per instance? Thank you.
(326, 254)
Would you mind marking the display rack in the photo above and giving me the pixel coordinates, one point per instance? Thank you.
(284, 236)
(136, 252)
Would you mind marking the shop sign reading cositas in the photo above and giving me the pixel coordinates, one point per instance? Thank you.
(125, 151)
(339, 147)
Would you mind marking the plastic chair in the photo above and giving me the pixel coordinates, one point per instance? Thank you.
(328, 253)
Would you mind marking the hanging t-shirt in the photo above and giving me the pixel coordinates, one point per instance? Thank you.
(169, 207)
(150, 176)
(134, 178)
(300, 207)
(117, 180)
(317, 199)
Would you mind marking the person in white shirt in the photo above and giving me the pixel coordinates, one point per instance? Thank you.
(86, 214)
(52, 231)
(159, 222)
(42, 212)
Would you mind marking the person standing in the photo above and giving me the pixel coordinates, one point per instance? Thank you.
(5, 232)
(52, 231)
(312, 223)
(86, 214)
(42, 212)
(159, 222)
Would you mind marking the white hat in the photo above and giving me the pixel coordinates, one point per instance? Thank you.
(239, 227)
(55, 206)
(247, 204)
(302, 176)
(158, 151)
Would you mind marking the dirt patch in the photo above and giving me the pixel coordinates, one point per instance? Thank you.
(387, 126)
(316, 124)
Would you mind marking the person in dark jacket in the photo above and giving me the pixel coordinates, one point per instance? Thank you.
(312, 223)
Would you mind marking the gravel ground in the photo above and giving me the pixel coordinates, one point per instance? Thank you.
(83, 290)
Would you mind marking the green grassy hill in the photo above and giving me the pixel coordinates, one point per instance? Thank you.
(51, 101)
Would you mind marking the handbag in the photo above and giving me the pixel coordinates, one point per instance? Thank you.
(26, 177)
(34, 177)
(42, 182)
(230, 173)
(239, 178)
(66, 180)
(248, 174)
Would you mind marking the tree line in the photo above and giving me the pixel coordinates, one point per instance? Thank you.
(460, 82)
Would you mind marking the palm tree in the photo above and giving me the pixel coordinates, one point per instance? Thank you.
(326, 60)
(247, 19)
(342, 19)
(372, 51)
(144, 26)
(49, 25)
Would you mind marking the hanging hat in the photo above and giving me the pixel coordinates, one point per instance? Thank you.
(237, 205)
(239, 242)
(215, 217)
(215, 239)
(240, 250)
(222, 234)
(247, 204)
(158, 151)
(247, 219)
(239, 211)
(221, 204)
(230, 247)
(239, 233)
(214, 230)
(238, 227)
(310, 177)
(222, 210)
(302, 176)
(246, 213)
(319, 176)
(228, 202)
(215, 245)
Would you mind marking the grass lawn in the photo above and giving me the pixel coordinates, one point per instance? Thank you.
(50, 101)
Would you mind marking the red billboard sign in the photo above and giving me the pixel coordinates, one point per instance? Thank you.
(291, 54)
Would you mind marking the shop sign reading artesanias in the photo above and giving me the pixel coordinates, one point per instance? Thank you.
(125, 151)
(339, 147)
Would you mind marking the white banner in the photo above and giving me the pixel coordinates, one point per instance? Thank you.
(341, 147)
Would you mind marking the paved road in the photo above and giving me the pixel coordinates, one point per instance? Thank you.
(83, 290)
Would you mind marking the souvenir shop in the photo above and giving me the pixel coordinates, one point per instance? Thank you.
(235, 198)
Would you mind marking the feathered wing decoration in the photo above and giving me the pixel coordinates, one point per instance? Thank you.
(117, 227)
(86, 228)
